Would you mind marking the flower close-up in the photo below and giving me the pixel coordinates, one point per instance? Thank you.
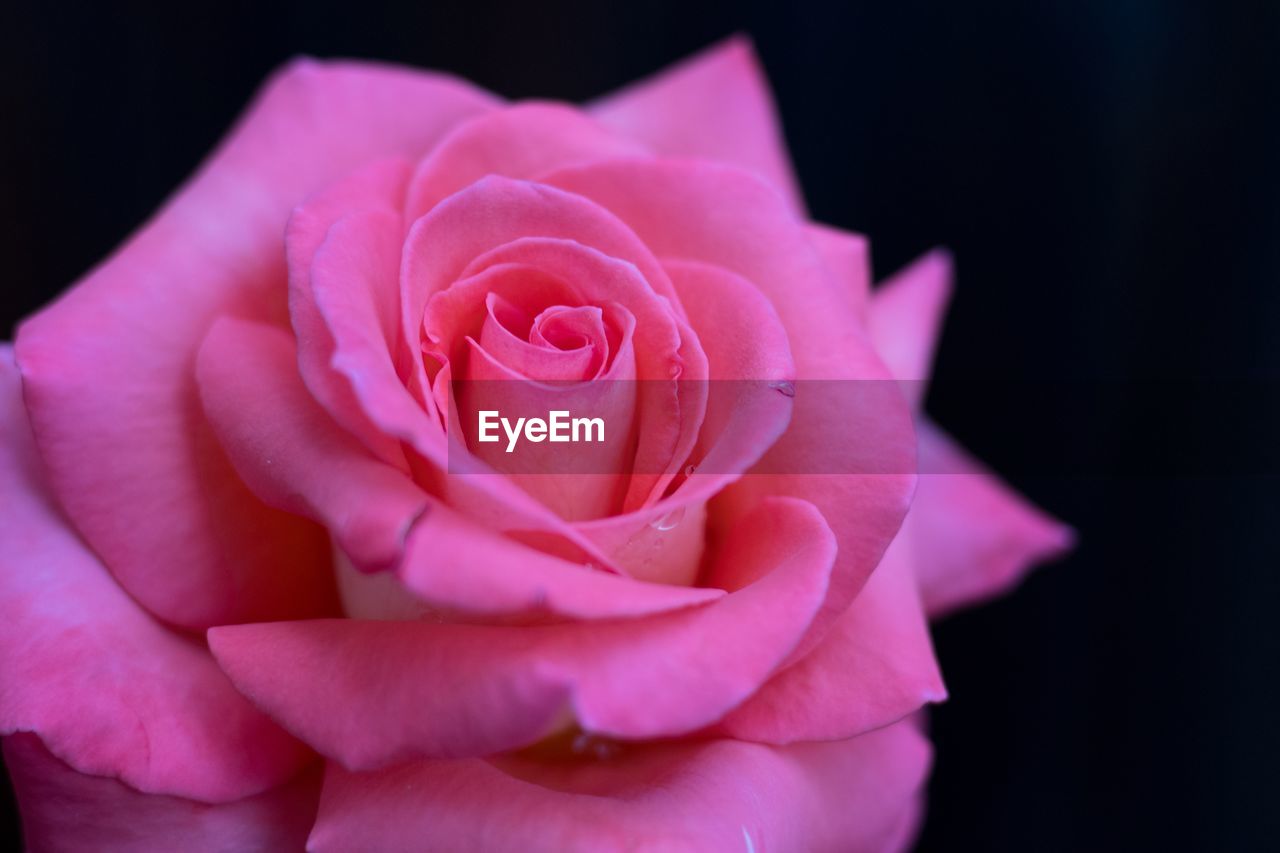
(441, 472)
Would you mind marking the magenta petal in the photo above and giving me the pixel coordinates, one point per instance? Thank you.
(111, 691)
(292, 454)
(64, 810)
(975, 537)
(698, 796)
(715, 106)
(874, 667)
(467, 690)
(521, 141)
(108, 366)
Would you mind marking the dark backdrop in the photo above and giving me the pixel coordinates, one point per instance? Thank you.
(1106, 173)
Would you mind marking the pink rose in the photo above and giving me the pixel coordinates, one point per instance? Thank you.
(263, 589)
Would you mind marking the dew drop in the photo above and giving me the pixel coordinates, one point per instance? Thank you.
(689, 469)
(785, 388)
(598, 748)
(676, 369)
(669, 520)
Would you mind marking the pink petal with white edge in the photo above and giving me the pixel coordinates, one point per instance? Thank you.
(975, 537)
(108, 689)
(64, 810)
(108, 367)
(715, 105)
(521, 141)
(696, 796)
(470, 690)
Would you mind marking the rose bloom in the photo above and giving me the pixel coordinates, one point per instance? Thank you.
(251, 600)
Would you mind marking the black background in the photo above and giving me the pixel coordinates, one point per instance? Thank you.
(1106, 173)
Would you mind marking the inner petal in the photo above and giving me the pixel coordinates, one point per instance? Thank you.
(500, 337)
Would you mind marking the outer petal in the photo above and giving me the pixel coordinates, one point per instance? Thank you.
(873, 668)
(709, 796)
(108, 367)
(723, 216)
(715, 105)
(108, 689)
(64, 810)
(522, 141)
(975, 537)
(906, 319)
(370, 694)
(848, 257)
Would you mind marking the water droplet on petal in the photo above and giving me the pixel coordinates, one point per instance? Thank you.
(786, 388)
(669, 520)
(676, 369)
(598, 748)
(689, 469)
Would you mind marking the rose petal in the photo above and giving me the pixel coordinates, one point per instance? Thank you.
(108, 366)
(456, 564)
(975, 537)
(489, 214)
(64, 810)
(576, 481)
(906, 318)
(725, 217)
(110, 690)
(292, 454)
(274, 433)
(352, 272)
(748, 358)
(874, 667)
(464, 690)
(697, 796)
(715, 105)
(576, 352)
(848, 258)
(669, 412)
(377, 189)
(521, 141)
